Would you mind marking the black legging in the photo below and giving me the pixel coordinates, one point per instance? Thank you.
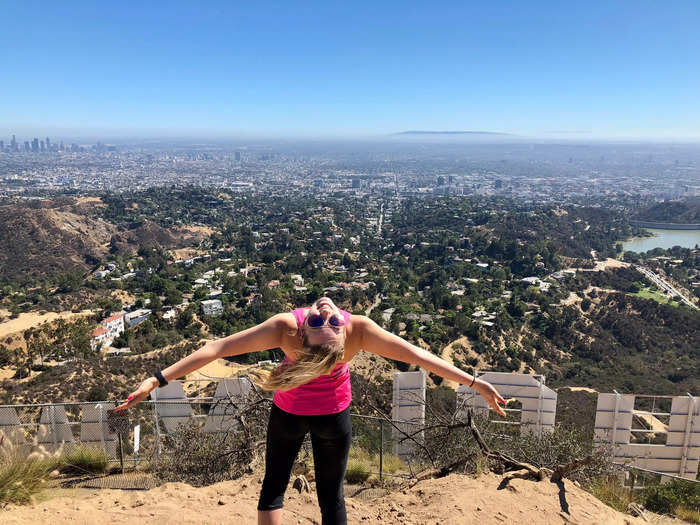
(330, 440)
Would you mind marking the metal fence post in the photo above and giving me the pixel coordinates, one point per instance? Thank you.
(688, 431)
(102, 426)
(614, 426)
(155, 424)
(54, 432)
(381, 448)
(121, 452)
(539, 410)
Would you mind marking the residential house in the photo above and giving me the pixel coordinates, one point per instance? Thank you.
(212, 307)
(99, 338)
(114, 324)
(136, 317)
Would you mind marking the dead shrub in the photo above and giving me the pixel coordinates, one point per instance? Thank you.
(200, 458)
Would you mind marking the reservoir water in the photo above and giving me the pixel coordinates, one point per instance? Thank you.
(663, 239)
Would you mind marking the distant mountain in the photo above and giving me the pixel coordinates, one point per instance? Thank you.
(422, 132)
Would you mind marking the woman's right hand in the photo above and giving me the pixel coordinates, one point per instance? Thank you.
(490, 395)
(139, 394)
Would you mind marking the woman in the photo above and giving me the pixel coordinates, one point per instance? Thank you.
(312, 392)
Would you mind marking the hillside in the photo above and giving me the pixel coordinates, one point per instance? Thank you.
(42, 242)
(82, 380)
(682, 212)
(455, 499)
(143, 233)
(55, 237)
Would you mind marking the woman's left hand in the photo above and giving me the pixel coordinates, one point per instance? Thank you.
(490, 395)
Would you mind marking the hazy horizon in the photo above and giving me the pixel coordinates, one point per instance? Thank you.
(104, 134)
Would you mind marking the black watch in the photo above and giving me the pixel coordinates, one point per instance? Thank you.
(161, 380)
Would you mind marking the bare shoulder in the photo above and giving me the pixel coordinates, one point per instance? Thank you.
(285, 322)
(357, 328)
(358, 322)
(358, 319)
(362, 321)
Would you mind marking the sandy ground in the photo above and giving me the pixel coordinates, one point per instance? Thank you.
(652, 422)
(610, 263)
(186, 253)
(572, 299)
(31, 319)
(217, 369)
(601, 266)
(453, 500)
(95, 201)
(211, 373)
(124, 296)
(207, 230)
(447, 356)
(582, 389)
(7, 373)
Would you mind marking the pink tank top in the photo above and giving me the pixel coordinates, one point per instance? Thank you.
(326, 394)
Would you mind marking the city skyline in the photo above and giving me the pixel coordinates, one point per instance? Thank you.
(618, 71)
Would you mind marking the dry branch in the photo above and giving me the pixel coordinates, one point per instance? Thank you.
(501, 463)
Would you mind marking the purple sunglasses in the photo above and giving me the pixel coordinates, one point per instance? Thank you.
(316, 321)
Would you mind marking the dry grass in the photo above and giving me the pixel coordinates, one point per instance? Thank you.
(687, 514)
(390, 462)
(22, 476)
(83, 460)
(357, 471)
(33, 319)
(611, 492)
(21, 479)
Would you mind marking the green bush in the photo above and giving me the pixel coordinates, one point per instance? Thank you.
(97, 393)
(665, 498)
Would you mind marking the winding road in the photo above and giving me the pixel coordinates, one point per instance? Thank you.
(658, 281)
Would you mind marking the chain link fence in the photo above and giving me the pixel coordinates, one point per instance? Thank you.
(133, 441)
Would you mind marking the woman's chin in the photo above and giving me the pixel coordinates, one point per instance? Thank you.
(323, 336)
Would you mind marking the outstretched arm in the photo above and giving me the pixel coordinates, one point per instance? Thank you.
(260, 337)
(381, 342)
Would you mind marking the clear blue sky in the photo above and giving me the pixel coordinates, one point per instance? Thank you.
(588, 69)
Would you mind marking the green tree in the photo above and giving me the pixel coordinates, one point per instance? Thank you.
(201, 293)
(156, 304)
(38, 344)
(5, 355)
(173, 297)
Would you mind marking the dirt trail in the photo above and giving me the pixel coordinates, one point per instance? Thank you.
(601, 266)
(447, 356)
(572, 299)
(455, 499)
(31, 319)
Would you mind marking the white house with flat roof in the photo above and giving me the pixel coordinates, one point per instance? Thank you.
(212, 307)
(136, 317)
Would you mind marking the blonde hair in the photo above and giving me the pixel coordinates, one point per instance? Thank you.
(311, 362)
